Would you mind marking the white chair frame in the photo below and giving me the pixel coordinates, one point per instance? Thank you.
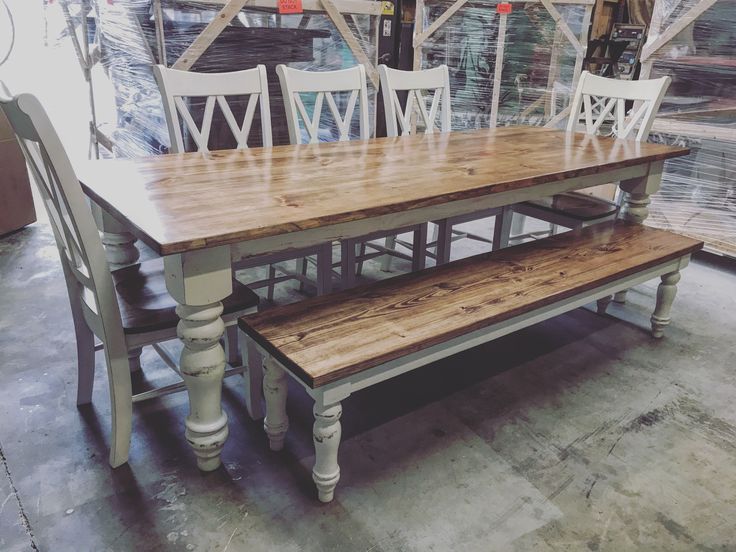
(176, 85)
(90, 286)
(402, 121)
(597, 101)
(324, 84)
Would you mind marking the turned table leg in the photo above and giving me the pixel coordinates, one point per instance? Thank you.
(198, 281)
(120, 248)
(275, 390)
(666, 292)
(327, 433)
(635, 207)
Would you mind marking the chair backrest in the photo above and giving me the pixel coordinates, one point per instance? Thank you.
(89, 282)
(599, 100)
(415, 83)
(176, 86)
(324, 84)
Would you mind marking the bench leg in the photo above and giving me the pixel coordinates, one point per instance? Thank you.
(275, 389)
(327, 433)
(620, 297)
(603, 303)
(665, 296)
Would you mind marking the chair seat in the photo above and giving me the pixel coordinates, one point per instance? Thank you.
(576, 205)
(145, 303)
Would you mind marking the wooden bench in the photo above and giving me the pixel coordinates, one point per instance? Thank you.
(340, 343)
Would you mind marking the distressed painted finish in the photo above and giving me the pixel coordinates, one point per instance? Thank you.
(199, 281)
(268, 192)
(666, 292)
(328, 338)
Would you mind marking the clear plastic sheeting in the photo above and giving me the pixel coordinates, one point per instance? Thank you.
(538, 68)
(698, 197)
(125, 31)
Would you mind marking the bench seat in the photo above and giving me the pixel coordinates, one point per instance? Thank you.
(338, 343)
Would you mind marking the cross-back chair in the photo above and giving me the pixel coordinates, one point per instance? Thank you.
(326, 87)
(216, 89)
(600, 106)
(427, 108)
(126, 309)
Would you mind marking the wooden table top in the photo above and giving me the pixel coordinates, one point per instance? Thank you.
(183, 202)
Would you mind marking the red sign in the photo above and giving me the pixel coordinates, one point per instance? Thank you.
(290, 6)
(503, 8)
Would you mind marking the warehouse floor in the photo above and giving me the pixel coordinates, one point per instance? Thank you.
(581, 433)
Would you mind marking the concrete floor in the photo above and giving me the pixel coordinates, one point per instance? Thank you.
(581, 433)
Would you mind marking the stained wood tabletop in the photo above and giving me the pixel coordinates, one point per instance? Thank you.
(183, 202)
(329, 337)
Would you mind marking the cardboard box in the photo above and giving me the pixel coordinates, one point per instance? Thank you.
(16, 201)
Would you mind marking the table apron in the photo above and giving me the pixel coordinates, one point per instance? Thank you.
(314, 236)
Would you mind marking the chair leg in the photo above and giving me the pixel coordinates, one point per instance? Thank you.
(517, 224)
(419, 248)
(271, 283)
(386, 260)
(230, 344)
(324, 269)
(347, 263)
(252, 377)
(502, 228)
(134, 359)
(665, 296)
(121, 407)
(602, 304)
(444, 241)
(361, 258)
(327, 432)
(85, 362)
(275, 389)
(301, 267)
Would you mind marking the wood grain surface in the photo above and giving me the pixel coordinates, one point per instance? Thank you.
(329, 337)
(183, 202)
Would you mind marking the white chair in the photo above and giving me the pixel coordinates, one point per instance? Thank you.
(399, 122)
(598, 107)
(178, 86)
(303, 127)
(126, 309)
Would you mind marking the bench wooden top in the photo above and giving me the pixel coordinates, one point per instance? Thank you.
(183, 202)
(327, 338)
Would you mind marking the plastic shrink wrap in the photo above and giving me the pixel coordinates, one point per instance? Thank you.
(126, 35)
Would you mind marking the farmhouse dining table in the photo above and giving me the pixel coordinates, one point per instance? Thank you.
(203, 211)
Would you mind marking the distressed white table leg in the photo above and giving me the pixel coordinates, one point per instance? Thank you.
(275, 389)
(198, 281)
(327, 433)
(120, 248)
(602, 304)
(666, 292)
(635, 206)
